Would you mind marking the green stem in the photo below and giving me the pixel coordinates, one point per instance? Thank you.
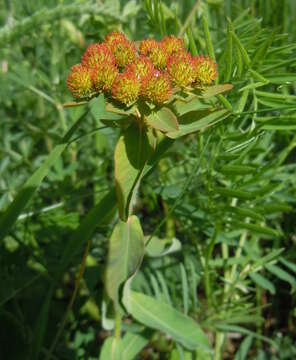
(219, 346)
(117, 325)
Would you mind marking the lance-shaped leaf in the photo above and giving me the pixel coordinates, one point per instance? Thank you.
(161, 316)
(164, 120)
(131, 154)
(198, 120)
(126, 250)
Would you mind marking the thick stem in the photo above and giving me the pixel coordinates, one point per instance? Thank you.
(117, 325)
(219, 346)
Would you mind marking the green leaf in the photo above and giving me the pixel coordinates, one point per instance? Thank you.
(241, 49)
(281, 78)
(288, 264)
(132, 152)
(245, 212)
(191, 103)
(234, 328)
(239, 194)
(112, 349)
(272, 255)
(164, 120)
(198, 120)
(257, 229)
(237, 169)
(161, 247)
(274, 208)
(10, 216)
(126, 251)
(208, 40)
(132, 344)
(228, 56)
(163, 317)
(260, 52)
(102, 111)
(281, 274)
(242, 353)
(262, 282)
(215, 90)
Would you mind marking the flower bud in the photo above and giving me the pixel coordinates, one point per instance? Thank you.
(155, 52)
(79, 82)
(103, 76)
(205, 70)
(123, 49)
(156, 88)
(97, 54)
(115, 36)
(181, 69)
(126, 87)
(173, 45)
(142, 67)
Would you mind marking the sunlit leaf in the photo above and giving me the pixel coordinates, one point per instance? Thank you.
(164, 120)
(161, 316)
(126, 251)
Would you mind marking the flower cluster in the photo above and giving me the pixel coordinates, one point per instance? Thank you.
(148, 71)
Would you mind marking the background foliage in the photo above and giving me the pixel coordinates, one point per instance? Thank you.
(223, 201)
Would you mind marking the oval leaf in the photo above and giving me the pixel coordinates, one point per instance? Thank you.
(132, 344)
(161, 247)
(215, 90)
(112, 349)
(100, 110)
(131, 154)
(125, 255)
(164, 120)
(163, 317)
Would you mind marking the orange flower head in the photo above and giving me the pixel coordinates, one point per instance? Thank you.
(205, 70)
(181, 69)
(79, 82)
(147, 45)
(124, 51)
(173, 45)
(115, 36)
(156, 88)
(142, 67)
(97, 54)
(103, 76)
(155, 51)
(126, 87)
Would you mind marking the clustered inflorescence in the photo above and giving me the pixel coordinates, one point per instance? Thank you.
(151, 71)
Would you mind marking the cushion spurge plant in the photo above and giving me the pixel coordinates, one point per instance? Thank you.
(156, 92)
